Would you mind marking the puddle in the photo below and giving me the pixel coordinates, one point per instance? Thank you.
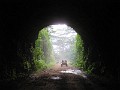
(55, 78)
(76, 72)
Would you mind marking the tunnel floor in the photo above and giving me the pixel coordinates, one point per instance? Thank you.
(59, 78)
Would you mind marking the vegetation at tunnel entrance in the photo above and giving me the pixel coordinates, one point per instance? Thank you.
(79, 52)
(80, 57)
(43, 52)
(56, 43)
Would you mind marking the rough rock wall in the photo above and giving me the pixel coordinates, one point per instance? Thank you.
(97, 23)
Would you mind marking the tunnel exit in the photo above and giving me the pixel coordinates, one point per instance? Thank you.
(58, 44)
(63, 42)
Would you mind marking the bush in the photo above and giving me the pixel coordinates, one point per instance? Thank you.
(40, 64)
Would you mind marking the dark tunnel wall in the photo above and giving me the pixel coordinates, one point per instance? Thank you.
(96, 22)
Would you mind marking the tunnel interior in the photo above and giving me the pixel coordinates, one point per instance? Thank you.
(97, 23)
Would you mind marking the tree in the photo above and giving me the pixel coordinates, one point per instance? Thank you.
(43, 51)
(79, 52)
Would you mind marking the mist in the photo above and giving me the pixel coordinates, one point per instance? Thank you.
(63, 41)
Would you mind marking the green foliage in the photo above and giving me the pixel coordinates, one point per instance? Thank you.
(26, 65)
(25, 62)
(90, 68)
(22, 66)
(42, 57)
(40, 64)
(52, 62)
(79, 51)
(43, 52)
(80, 59)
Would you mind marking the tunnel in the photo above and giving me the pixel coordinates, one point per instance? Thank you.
(96, 22)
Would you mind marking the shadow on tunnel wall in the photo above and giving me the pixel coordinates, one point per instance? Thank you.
(96, 22)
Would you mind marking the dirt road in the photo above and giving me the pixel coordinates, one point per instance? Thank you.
(59, 78)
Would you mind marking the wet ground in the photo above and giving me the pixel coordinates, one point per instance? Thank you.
(60, 78)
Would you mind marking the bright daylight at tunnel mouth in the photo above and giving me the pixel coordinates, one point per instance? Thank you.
(57, 46)
(59, 61)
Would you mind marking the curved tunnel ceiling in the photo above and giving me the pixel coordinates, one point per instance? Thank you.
(96, 22)
(93, 20)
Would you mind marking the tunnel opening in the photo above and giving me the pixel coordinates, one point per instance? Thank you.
(59, 44)
(100, 35)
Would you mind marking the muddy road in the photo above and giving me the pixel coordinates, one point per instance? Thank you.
(60, 78)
